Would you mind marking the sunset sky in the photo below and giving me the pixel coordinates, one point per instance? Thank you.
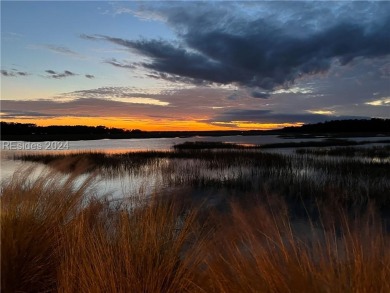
(194, 65)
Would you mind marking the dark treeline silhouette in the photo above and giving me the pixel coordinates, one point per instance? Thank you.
(32, 132)
(374, 125)
(29, 128)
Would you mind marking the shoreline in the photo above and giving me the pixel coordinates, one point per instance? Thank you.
(189, 134)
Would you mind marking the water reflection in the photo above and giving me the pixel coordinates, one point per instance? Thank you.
(120, 172)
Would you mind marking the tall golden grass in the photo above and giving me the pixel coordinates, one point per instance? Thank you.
(261, 250)
(57, 237)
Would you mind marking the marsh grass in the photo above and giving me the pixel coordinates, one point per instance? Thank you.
(33, 214)
(142, 251)
(261, 250)
(328, 142)
(368, 152)
(201, 145)
(57, 236)
(331, 179)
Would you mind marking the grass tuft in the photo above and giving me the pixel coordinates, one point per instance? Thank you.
(57, 236)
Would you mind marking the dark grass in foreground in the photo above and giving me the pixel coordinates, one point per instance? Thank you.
(57, 237)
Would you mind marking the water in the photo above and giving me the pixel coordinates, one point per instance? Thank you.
(128, 184)
(117, 145)
(9, 166)
(173, 176)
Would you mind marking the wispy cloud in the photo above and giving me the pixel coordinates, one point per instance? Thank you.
(138, 108)
(66, 73)
(89, 37)
(120, 64)
(268, 116)
(381, 102)
(260, 94)
(321, 112)
(20, 114)
(63, 50)
(13, 73)
(119, 94)
(293, 90)
(11, 36)
(140, 100)
(59, 75)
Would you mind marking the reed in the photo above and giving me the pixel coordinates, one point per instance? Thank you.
(347, 181)
(380, 152)
(282, 223)
(34, 214)
(57, 236)
(260, 249)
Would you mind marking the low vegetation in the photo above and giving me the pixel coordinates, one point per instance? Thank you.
(58, 236)
(348, 182)
(366, 152)
(200, 145)
(328, 142)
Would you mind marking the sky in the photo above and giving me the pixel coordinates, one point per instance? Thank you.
(194, 65)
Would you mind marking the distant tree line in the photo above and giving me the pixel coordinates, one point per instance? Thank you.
(33, 129)
(32, 132)
(337, 126)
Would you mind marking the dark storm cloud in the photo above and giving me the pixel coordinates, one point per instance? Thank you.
(90, 76)
(268, 116)
(177, 78)
(216, 46)
(260, 95)
(175, 63)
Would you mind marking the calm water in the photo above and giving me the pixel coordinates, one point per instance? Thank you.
(115, 145)
(128, 184)
(122, 145)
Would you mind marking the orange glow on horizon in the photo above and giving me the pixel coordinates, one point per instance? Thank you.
(152, 125)
(248, 125)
